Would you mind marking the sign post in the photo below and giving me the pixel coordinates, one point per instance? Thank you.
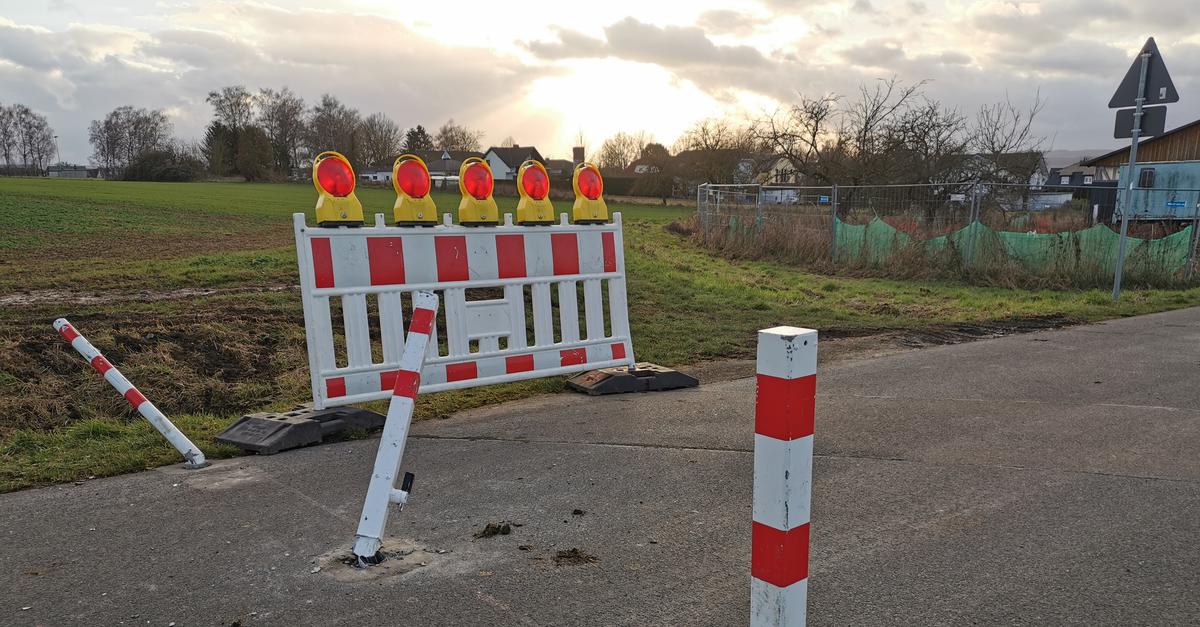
(1146, 82)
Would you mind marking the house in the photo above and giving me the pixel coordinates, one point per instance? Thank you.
(69, 171)
(1168, 169)
(777, 170)
(505, 161)
(1074, 175)
(559, 168)
(1017, 168)
(441, 169)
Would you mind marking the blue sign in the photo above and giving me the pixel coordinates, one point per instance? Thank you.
(1176, 204)
(824, 200)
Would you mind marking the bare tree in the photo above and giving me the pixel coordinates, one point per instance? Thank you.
(125, 134)
(453, 136)
(333, 126)
(281, 115)
(799, 131)
(8, 135)
(380, 140)
(232, 106)
(508, 142)
(1005, 143)
(930, 143)
(618, 151)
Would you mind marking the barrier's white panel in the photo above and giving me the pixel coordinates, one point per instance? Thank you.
(499, 318)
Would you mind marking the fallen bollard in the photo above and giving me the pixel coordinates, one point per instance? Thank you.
(190, 452)
(783, 448)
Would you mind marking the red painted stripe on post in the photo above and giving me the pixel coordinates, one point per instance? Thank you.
(519, 363)
(610, 251)
(618, 350)
(335, 387)
(573, 356)
(510, 256)
(461, 372)
(386, 256)
(387, 380)
(100, 364)
(779, 557)
(783, 408)
(565, 249)
(451, 251)
(134, 397)
(68, 332)
(406, 383)
(422, 321)
(322, 262)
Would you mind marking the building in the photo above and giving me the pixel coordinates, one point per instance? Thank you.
(69, 171)
(777, 170)
(560, 168)
(1074, 175)
(1168, 172)
(505, 161)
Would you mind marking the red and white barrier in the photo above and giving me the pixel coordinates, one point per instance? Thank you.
(382, 490)
(190, 452)
(783, 448)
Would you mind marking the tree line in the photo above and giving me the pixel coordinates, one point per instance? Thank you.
(27, 143)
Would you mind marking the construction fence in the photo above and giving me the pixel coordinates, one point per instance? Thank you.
(997, 233)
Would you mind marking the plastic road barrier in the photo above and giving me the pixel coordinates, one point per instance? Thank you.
(191, 453)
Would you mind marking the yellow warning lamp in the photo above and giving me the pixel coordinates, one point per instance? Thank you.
(589, 195)
(475, 183)
(533, 182)
(414, 205)
(336, 203)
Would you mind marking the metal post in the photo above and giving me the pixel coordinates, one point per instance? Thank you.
(969, 252)
(382, 492)
(1191, 262)
(1133, 150)
(833, 229)
(783, 450)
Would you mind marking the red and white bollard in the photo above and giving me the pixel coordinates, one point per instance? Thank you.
(382, 490)
(783, 449)
(190, 452)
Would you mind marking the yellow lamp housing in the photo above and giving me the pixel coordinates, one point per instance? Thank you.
(414, 206)
(589, 205)
(475, 183)
(533, 183)
(334, 179)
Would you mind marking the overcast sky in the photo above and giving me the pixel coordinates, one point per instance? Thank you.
(543, 72)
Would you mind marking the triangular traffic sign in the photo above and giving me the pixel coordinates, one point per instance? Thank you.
(1160, 89)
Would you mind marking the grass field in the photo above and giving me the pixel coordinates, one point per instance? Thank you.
(189, 289)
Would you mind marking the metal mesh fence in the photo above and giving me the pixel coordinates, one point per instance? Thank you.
(1010, 234)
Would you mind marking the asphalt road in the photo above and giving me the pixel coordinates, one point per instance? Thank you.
(1048, 478)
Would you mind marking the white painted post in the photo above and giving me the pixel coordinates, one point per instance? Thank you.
(783, 448)
(191, 452)
(382, 490)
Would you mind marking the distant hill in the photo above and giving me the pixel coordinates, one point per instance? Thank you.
(1063, 158)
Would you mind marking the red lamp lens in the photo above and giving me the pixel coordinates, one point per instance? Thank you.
(535, 183)
(335, 177)
(477, 180)
(590, 183)
(413, 179)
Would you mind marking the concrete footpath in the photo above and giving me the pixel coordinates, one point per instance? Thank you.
(1048, 478)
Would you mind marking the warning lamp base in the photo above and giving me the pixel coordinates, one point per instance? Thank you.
(483, 223)
(333, 225)
(415, 223)
(641, 377)
(536, 222)
(590, 222)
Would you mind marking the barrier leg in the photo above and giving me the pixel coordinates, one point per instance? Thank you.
(783, 447)
(191, 453)
(382, 490)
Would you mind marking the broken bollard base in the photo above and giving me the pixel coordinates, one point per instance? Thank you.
(268, 433)
(641, 377)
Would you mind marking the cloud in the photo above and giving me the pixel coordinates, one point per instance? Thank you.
(727, 22)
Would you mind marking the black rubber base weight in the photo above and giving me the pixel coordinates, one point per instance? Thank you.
(269, 432)
(642, 377)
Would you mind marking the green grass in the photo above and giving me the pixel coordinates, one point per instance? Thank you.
(207, 358)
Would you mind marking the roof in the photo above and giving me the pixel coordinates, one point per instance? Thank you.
(1142, 144)
(559, 166)
(513, 157)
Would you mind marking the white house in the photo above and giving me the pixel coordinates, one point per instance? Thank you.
(504, 162)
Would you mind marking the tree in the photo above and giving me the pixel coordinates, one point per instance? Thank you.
(453, 136)
(333, 126)
(281, 116)
(417, 138)
(508, 142)
(659, 179)
(220, 148)
(255, 154)
(380, 140)
(1004, 139)
(232, 106)
(8, 135)
(711, 150)
(618, 151)
(125, 134)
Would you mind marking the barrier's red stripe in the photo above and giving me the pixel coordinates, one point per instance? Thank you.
(322, 262)
(519, 363)
(407, 383)
(461, 372)
(784, 408)
(335, 387)
(565, 249)
(618, 351)
(68, 332)
(779, 557)
(134, 397)
(422, 321)
(451, 251)
(510, 256)
(387, 380)
(573, 356)
(386, 255)
(101, 364)
(610, 251)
